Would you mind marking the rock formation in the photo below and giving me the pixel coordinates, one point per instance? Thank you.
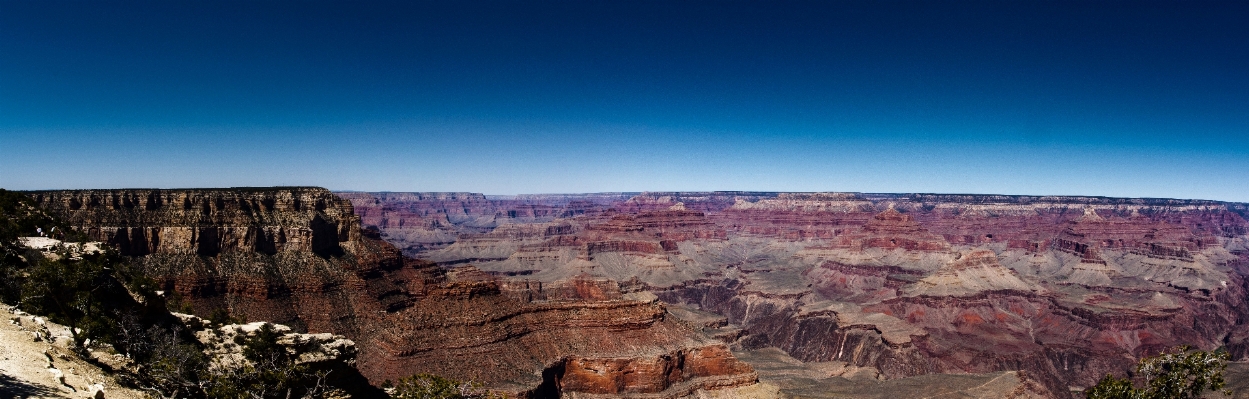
(1060, 290)
(298, 257)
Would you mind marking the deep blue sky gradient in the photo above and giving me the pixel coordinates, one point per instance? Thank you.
(1131, 98)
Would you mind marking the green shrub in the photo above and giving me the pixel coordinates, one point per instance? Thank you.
(1177, 374)
(174, 367)
(271, 372)
(82, 294)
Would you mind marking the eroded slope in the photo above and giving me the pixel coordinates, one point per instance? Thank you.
(297, 256)
(1064, 289)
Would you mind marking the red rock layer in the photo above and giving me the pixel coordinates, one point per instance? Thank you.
(1146, 274)
(890, 230)
(420, 222)
(407, 316)
(611, 345)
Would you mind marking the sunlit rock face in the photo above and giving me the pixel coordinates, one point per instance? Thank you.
(211, 221)
(1064, 289)
(298, 257)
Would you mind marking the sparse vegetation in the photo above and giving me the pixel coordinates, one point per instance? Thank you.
(82, 294)
(269, 372)
(428, 386)
(107, 303)
(1177, 374)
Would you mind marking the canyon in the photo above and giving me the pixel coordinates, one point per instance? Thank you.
(296, 256)
(703, 294)
(886, 288)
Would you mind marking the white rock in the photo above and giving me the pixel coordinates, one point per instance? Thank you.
(97, 391)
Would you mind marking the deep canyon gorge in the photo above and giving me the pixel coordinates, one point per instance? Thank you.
(699, 294)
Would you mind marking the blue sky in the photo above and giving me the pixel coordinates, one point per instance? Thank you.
(1141, 99)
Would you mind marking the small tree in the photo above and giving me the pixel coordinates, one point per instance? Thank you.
(269, 372)
(173, 367)
(1177, 374)
(82, 294)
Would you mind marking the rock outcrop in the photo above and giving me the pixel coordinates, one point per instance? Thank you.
(208, 222)
(305, 349)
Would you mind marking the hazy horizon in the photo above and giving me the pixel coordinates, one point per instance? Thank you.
(515, 195)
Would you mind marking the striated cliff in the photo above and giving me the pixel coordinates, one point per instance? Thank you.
(421, 222)
(208, 222)
(1061, 290)
(297, 256)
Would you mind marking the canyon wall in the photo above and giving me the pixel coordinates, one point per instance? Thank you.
(297, 256)
(1062, 289)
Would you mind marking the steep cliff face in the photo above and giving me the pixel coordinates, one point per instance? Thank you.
(1064, 289)
(537, 340)
(292, 256)
(297, 256)
(208, 222)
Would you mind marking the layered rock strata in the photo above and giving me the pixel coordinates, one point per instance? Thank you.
(420, 222)
(1062, 289)
(297, 256)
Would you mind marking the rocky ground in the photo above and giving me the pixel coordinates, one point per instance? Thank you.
(834, 379)
(36, 363)
(1237, 376)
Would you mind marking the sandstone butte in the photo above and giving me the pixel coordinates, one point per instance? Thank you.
(697, 294)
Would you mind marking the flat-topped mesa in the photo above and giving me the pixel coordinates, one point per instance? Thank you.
(674, 223)
(890, 230)
(411, 196)
(695, 201)
(892, 222)
(1091, 233)
(1051, 200)
(210, 221)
